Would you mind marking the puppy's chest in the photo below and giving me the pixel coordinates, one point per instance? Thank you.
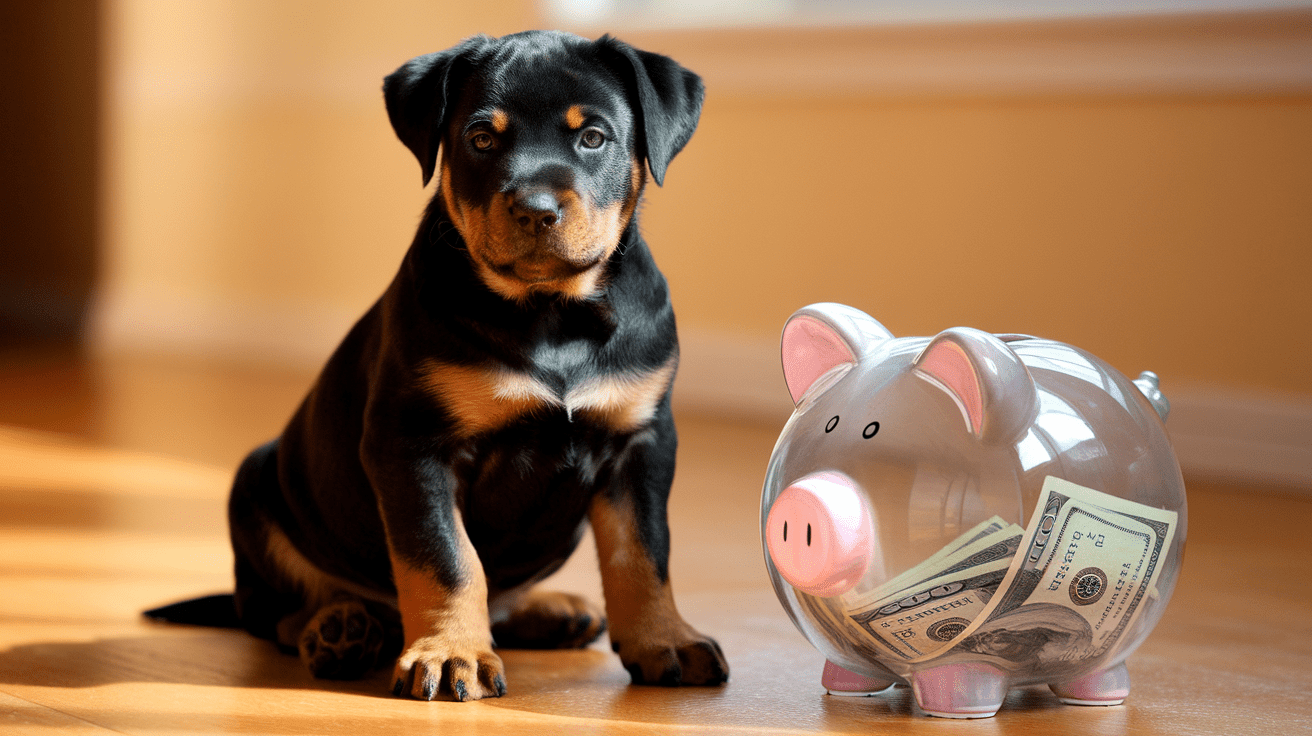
(560, 377)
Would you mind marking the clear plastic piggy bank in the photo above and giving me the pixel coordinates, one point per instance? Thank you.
(969, 512)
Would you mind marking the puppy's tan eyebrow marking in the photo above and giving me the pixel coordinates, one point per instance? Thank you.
(574, 117)
(500, 121)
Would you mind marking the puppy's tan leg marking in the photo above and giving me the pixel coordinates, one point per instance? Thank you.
(448, 640)
(654, 642)
(530, 618)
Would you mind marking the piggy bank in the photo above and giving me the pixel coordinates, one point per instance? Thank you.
(968, 512)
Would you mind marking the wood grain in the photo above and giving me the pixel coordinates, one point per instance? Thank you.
(92, 531)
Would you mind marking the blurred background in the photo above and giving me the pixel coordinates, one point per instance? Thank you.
(214, 184)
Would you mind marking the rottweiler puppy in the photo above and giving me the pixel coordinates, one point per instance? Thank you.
(510, 387)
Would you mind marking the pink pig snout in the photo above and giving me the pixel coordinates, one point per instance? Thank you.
(819, 534)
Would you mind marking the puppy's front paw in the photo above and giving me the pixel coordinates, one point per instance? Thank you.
(437, 663)
(684, 657)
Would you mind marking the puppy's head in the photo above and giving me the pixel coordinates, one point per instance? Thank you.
(542, 141)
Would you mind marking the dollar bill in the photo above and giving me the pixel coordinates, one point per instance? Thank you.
(831, 616)
(935, 564)
(924, 618)
(995, 545)
(1086, 564)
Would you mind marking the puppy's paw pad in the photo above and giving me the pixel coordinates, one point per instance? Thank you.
(551, 620)
(342, 641)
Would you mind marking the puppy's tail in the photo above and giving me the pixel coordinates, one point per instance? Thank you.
(218, 611)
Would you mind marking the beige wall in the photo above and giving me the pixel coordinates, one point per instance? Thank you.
(1171, 234)
(257, 200)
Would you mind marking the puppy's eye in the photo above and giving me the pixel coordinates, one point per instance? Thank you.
(482, 141)
(592, 138)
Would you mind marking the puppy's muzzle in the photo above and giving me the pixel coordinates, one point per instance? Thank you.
(543, 249)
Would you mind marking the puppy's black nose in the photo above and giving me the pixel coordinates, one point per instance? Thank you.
(535, 210)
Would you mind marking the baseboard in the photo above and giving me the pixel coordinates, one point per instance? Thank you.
(1220, 433)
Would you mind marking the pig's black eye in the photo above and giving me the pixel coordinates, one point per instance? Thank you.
(871, 430)
(830, 426)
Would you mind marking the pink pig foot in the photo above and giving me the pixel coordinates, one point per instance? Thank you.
(965, 690)
(1103, 687)
(840, 681)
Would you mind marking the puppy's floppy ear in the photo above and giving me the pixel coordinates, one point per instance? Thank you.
(668, 100)
(417, 94)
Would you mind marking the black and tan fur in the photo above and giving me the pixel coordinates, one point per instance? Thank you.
(510, 387)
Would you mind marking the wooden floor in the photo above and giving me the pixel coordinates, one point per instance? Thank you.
(113, 476)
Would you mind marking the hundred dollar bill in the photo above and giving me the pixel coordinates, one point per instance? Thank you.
(981, 531)
(933, 565)
(924, 618)
(830, 616)
(1087, 562)
(985, 548)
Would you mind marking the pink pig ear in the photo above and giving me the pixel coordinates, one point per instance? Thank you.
(821, 337)
(990, 385)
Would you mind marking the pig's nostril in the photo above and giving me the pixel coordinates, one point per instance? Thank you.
(808, 535)
(785, 531)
